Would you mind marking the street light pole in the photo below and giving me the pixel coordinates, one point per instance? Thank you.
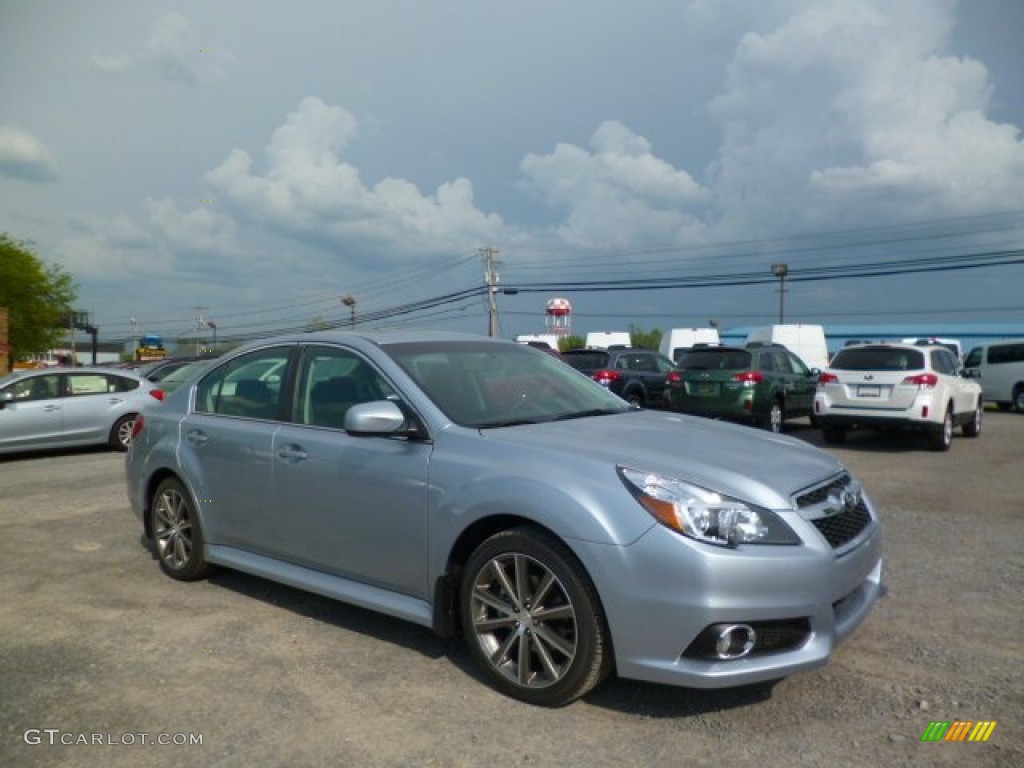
(212, 325)
(780, 270)
(350, 302)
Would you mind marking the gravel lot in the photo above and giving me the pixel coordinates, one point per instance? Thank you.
(95, 640)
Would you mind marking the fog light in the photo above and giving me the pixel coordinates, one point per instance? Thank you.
(735, 641)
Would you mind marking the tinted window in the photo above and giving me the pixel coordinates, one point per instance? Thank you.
(586, 359)
(332, 380)
(1006, 353)
(973, 358)
(878, 359)
(35, 388)
(943, 361)
(716, 359)
(98, 383)
(249, 385)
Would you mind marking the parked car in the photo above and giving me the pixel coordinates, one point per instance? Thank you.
(471, 484)
(158, 370)
(898, 386)
(760, 384)
(635, 375)
(63, 408)
(1000, 367)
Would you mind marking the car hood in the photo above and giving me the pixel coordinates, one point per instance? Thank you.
(749, 464)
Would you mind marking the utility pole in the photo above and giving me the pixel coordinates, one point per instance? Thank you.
(491, 278)
(200, 323)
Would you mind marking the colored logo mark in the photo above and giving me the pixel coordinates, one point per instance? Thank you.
(958, 730)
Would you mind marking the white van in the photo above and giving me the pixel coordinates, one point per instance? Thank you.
(805, 341)
(1001, 365)
(679, 340)
(550, 339)
(608, 339)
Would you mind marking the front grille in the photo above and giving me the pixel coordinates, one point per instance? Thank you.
(844, 527)
(821, 493)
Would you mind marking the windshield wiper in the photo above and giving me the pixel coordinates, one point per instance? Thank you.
(591, 412)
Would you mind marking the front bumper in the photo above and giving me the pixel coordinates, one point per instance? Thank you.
(665, 598)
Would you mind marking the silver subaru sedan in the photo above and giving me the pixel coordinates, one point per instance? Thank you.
(482, 487)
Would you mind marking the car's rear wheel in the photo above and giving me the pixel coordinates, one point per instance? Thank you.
(972, 428)
(121, 433)
(635, 398)
(1018, 398)
(940, 439)
(177, 533)
(532, 618)
(834, 435)
(776, 415)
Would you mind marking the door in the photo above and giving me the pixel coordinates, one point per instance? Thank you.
(353, 506)
(800, 383)
(94, 402)
(31, 418)
(226, 443)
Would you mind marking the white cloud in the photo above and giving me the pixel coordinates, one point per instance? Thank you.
(619, 193)
(111, 249)
(307, 190)
(23, 156)
(110, 64)
(852, 112)
(179, 56)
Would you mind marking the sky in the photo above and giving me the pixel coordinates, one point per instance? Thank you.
(253, 163)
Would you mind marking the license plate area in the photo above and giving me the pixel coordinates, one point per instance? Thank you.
(869, 390)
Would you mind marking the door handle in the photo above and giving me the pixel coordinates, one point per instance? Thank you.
(115, 400)
(291, 453)
(195, 437)
(51, 408)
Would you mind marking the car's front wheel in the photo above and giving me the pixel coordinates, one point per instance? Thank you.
(532, 618)
(1018, 398)
(177, 533)
(940, 439)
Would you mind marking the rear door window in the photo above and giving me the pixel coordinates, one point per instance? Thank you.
(878, 359)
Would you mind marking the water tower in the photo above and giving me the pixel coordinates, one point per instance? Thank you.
(558, 313)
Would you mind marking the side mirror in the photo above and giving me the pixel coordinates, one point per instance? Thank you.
(380, 417)
(5, 398)
(814, 373)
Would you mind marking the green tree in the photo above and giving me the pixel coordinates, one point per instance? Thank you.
(571, 342)
(38, 298)
(642, 339)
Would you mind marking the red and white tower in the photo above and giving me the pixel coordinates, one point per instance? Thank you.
(558, 314)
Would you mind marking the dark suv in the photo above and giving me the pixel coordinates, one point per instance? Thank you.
(763, 384)
(636, 375)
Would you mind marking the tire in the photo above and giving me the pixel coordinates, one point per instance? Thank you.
(634, 398)
(177, 534)
(548, 649)
(834, 435)
(776, 415)
(1018, 398)
(940, 439)
(972, 428)
(121, 433)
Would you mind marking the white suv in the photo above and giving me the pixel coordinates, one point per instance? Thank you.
(898, 385)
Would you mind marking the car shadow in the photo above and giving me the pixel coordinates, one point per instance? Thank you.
(52, 453)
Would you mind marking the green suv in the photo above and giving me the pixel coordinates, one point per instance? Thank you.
(762, 384)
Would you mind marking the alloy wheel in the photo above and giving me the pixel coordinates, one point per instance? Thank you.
(172, 529)
(524, 620)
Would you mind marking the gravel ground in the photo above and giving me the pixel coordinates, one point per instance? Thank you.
(95, 640)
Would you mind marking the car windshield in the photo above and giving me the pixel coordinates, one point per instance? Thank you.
(715, 360)
(878, 359)
(495, 384)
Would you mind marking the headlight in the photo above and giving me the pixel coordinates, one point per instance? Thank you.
(705, 515)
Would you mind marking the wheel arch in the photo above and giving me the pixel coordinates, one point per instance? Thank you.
(446, 586)
(152, 483)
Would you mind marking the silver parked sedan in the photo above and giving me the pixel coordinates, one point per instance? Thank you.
(69, 407)
(481, 486)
